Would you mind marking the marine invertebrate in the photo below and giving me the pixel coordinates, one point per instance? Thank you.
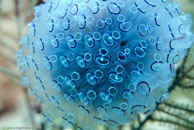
(102, 61)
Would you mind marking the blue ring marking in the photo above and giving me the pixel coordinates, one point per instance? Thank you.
(175, 61)
(143, 35)
(64, 61)
(52, 28)
(103, 51)
(57, 41)
(114, 4)
(70, 82)
(171, 69)
(76, 6)
(50, 7)
(84, 22)
(27, 63)
(94, 80)
(42, 49)
(141, 49)
(38, 78)
(112, 75)
(143, 82)
(35, 64)
(170, 44)
(46, 117)
(51, 67)
(121, 56)
(88, 40)
(156, 21)
(60, 109)
(81, 62)
(57, 103)
(177, 10)
(68, 121)
(69, 97)
(157, 47)
(113, 121)
(139, 8)
(167, 58)
(84, 109)
(146, 112)
(34, 93)
(34, 31)
(105, 61)
(97, 5)
(109, 42)
(140, 72)
(138, 106)
(169, 12)
(72, 40)
(112, 93)
(169, 27)
(47, 97)
(129, 96)
(66, 10)
(155, 62)
(101, 106)
(118, 108)
(103, 22)
(124, 30)
(58, 1)
(58, 85)
(104, 95)
(97, 118)
(68, 24)
(33, 48)
(153, 5)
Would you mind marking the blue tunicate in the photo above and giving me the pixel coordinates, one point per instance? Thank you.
(71, 41)
(75, 76)
(91, 95)
(100, 23)
(69, 82)
(91, 79)
(119, 69)
(123, 105)
(108, 40)
(140, 52)
(115, 78)
(89, 41)
(96, 36)
(106, 97)
(114, 8)
(98, 74)
(64, 61)
(116, 35)
(143, 30)
(81, 61)
(83, 98)
(127, 94)
(143, 88)
(125, 26)
(122, 56)
(101, 59)
(66, 24)
(87, 56)
(112, 91)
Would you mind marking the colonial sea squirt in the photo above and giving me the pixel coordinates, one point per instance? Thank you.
(91, 62)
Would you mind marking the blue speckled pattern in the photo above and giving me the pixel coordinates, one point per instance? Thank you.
(91, 62)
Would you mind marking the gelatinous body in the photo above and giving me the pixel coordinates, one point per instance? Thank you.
(91, 62)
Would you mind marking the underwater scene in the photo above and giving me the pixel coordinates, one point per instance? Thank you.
(96, 65)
